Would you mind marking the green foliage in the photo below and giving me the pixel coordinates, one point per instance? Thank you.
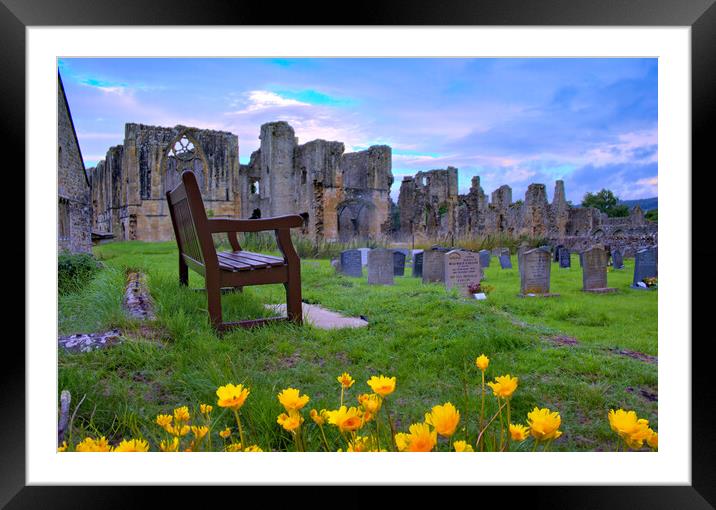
(74, 271)
(606, 202)
(442, 209)
(652, 215)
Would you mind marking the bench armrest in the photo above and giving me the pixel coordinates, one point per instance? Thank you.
(220, 225)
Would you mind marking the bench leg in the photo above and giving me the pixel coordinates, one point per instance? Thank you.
(213, 296)
(183, 272)
(294, 309)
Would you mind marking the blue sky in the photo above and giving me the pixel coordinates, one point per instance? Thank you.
(591, 122)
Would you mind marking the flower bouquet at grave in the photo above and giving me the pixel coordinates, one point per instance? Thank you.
(650, 281)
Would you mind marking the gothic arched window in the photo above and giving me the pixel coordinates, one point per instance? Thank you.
(183, 154)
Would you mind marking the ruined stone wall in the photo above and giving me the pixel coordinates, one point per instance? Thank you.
(74, 221)
(472, 215)
(340, 195)
(129, 185)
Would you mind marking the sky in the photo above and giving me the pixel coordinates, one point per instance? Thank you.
(590, 122)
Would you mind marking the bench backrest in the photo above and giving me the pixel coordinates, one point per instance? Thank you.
(191, 225)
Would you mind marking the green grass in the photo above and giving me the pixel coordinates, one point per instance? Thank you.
(428, 338)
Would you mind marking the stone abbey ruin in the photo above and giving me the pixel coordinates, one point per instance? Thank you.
(341, 195)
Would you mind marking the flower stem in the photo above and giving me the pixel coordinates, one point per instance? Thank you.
(482, 407)
(241, 430)
(507, 441)
(488, 425)
(502, 426)
(323, 434)
(390, 423)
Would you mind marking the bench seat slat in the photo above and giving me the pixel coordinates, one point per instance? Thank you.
(258, 257)
(247, 261)
(228, 264)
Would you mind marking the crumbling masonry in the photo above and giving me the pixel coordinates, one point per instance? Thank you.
(431, 209)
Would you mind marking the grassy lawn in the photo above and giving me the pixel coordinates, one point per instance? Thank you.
(428, 338)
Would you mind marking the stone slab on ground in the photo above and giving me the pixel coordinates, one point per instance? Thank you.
(606, 290)
(322, 318)
(537, 295)
(86, 342)
(137, 300)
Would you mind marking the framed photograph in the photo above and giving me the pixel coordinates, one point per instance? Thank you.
(207, 116)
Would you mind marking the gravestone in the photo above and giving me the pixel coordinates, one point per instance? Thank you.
(336, 264)
(520, 252)
(433, 266)
(403, 251)
(556, 252)
(418, 264)
(496, 252)
(617, 259)
(505, 261)
(364, 256)
(462, 269)
(645, 265)
(594, 270)
(350, 263)
(380, 267)
(484, 258)
(581, 259)
(398, 263)
(565, 259)
(535, 272)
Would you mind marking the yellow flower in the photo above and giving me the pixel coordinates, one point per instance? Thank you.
(318, 418)
(345, 380)
(421, 438)
(401, 441)
(89, 444)
(164, 420)
(253, 448)
(347, 420)
(199, 432)
(132, 445)
(225, 433)
(291, 400)
(206, 409)
(544, 424)
(444, 418)
(233, 447)
(360, 444)
(178, 430)
(290, 421)
(170, 446)
(504, 386)
(181, 414)
(370, 402)
(653, 440)
(519, 432)
(62, 447)
(462, 446)
(482, 362)
(232, 396)
(382, 385)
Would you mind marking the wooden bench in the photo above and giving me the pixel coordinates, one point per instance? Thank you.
(236, 268)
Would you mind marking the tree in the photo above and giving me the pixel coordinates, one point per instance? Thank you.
(606, 202)
(652, 215)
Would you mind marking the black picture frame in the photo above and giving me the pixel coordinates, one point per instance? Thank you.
(700, 15)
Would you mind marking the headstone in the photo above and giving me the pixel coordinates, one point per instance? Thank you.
(594, 270)
(617, 259)
(484, 258)
(380, 267)
(364, 256)
(462, 269)
(398, 263)
(565, 259)
(350, 263)
(535, 272)
(581, 259)
(505, 261)
(520, 252)
(418, 264)
(556, 252)
(645, 265)
(496, 252)
(403, 251)
(433, 266)
(336, 264)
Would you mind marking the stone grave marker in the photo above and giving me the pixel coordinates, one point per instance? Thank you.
(462, 269)
(581, 259)
(594, 270)
(380, 267)
(645, 265)
(418, 264)
(484, 258)
(617, 259)
(433, 266)
(398, 263)
(364, 256)
(505, 261)
(565, 259)
(556, 252)
(350, 263)
(535, 272)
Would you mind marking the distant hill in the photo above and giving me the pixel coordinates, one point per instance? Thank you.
(646, 204)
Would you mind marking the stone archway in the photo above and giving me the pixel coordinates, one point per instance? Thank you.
(355, 218)
(183, 153)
